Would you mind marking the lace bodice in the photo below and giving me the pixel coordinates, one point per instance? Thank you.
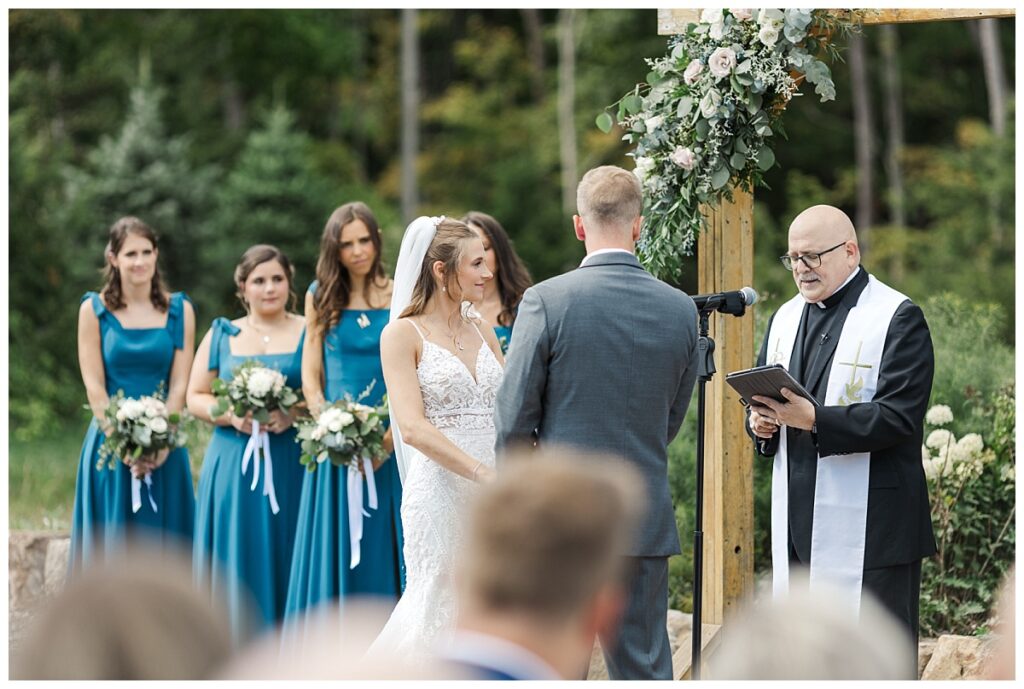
(452, 398)
(461, 406)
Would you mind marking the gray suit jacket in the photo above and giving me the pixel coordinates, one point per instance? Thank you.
(604, 358)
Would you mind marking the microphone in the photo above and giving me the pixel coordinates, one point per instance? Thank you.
(734, 303)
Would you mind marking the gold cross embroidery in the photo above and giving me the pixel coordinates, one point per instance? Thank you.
(776, 357)
(853, 388)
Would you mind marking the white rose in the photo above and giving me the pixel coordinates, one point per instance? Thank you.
(939, 439)
(939, 415)
(742, 15)
(346, 419)
(331, 420)
(693, 71)
(260, 382)
(768, 35)
(318, 432)
(771, 17)
(158, 425)
(683, 157)
(721, 62)
(643, 168)
(711, 15)
(716, 31)
(133, 409)
(652, 123)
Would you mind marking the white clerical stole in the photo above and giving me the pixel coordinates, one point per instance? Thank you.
(839, 526)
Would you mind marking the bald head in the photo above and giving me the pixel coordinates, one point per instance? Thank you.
(828, 232)
(827, 223)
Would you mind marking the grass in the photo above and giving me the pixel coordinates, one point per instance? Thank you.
(42, 472)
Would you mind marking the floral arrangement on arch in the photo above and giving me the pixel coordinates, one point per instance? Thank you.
(704, 120)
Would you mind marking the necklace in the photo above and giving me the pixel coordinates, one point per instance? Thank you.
(457, 341)
(263, 335)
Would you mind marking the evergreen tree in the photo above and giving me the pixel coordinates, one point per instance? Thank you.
(273, 195)
(142, 171)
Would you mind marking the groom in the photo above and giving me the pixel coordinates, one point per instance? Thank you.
(604, 358)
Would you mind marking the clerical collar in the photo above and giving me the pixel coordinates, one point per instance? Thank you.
(837, 296)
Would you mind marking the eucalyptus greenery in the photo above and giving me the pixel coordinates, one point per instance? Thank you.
(705, 119)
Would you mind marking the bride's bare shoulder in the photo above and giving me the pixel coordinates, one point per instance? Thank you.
(400, 332)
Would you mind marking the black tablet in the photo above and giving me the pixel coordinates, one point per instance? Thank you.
(766, 381)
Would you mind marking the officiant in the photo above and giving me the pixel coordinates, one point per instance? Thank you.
(849, 496)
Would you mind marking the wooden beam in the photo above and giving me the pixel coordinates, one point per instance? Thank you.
(725, 261)
(884, 16)
(710, 640)
(674, 21)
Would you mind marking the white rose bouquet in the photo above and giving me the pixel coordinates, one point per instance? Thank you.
(138, 427)
(253, 388)
(347, 433)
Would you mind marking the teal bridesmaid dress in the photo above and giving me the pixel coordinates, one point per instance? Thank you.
(320, 564)
(137, 361)
(504, 334)
(242, 549)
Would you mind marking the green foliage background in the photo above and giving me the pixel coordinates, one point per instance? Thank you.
(224, 128)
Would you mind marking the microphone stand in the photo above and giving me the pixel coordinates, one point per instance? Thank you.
(705, 371)
(735, 304)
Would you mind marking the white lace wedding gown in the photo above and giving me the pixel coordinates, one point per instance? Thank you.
(434, 499)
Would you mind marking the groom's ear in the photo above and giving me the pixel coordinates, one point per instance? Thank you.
(637, 225)
(577, 224)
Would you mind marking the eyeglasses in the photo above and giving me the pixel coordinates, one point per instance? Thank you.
(810, 260)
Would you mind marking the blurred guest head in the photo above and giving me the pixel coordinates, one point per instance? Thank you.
(811, 635)
(132, 619)
(543, 569)
(511, 278)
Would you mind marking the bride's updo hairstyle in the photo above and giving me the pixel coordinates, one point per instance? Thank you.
(448, 247)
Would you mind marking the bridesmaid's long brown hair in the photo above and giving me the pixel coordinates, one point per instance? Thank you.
(512, 276)
(111, 292)
(334, 284)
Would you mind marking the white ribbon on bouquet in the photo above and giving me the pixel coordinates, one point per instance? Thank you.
(259, 442)
(355, 505)
(137, 492)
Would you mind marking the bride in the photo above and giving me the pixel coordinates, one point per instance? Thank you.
(442, 371)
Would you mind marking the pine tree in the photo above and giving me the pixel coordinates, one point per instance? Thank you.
(142, 171)
(272, 196)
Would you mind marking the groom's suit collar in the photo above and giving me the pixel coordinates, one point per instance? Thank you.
(611, 257)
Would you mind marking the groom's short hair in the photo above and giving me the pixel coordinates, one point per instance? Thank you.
(550, 533)
(609, 197)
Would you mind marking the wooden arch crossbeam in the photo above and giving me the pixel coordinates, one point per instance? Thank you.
(725, 261)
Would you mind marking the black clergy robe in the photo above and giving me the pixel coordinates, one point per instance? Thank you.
(890, 427)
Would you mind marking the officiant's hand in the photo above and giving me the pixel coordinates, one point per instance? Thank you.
(795, 412)
(762, 423)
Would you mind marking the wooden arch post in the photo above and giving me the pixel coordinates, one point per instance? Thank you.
(725, 261)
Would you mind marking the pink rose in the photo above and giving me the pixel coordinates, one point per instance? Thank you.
(742, 15)
(693, 71)
(683, 157)
(721, 62)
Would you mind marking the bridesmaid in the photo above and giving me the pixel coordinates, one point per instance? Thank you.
(136, 337)
(242, 548)
(503, 292)
(346, 310)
